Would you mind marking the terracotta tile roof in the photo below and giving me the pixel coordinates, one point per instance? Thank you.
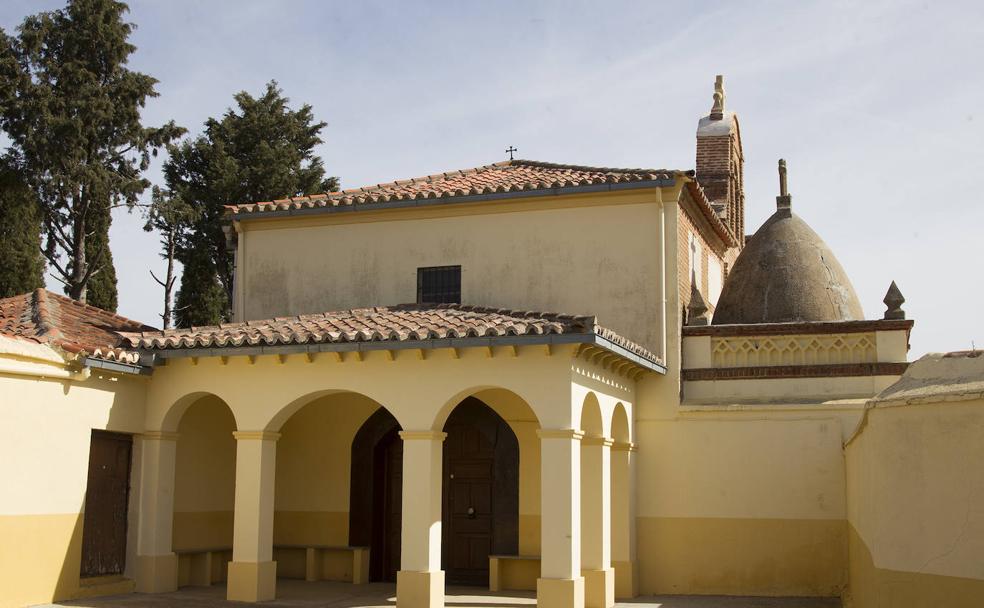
(507, 176)
(44, 317)
(404, 323)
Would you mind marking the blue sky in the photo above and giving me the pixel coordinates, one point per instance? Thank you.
(875, 105)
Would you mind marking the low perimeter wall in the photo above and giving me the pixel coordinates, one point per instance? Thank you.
(915, 493)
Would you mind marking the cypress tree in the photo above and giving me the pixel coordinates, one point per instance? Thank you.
(72, 111)
(21, 262)
(261, 150)
(201, 300)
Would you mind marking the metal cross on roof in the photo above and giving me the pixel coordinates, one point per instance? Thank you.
(510, 151)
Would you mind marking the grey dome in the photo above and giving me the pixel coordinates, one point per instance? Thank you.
(786, 274)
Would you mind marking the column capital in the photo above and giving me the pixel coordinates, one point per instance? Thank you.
(255, 435)
(624, 446)
(595, 440)
(423, 435)
(159, 436)
(574, 434)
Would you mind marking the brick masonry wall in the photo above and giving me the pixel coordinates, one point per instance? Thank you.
(720, 171)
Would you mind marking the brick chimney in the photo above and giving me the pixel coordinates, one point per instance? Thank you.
(720, 163)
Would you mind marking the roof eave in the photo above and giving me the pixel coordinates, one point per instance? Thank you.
(234, 215)
(287, 349)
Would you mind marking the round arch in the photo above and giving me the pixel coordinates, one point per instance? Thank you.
(592, 422)
(276, 422)
(175, 413)
(621, 431)
(505, 402)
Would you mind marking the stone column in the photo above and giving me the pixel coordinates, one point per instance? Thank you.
(623, 520)
(252, 571)
(420, 581)
(560, 584)
(596, 521)
(157, 565)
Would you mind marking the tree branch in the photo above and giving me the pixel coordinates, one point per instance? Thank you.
(159, 282)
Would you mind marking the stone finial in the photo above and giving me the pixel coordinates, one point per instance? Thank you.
(717, 110)
(893, 303)
(784, 202)
(697, 308)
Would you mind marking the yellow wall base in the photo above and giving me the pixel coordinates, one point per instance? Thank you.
(599, 588)
(104, 585)
(626, 580)
(157, 573)
(560, 593)
(252, 581)
(873, 587)
(419, 589)
(726, 556)
(513, 573)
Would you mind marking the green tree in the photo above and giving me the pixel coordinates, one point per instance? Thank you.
(201, 300)
(21, 262)
(259, 151)
(168, 215)
(72, 111)
(101, 290)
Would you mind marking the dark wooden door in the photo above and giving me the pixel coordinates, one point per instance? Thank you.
(106, 499)
(469, 458)
(388, 508)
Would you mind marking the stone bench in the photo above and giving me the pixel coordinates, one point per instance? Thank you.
(203, 567)
(513, 572)
(323, 562)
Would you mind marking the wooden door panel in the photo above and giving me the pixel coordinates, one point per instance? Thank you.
(106, 503)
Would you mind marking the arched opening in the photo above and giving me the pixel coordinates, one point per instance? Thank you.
(376, 492)
(316, 473)
(622, 511)
(595, 507)
(620, 424)
(480, 492)
(204, 488)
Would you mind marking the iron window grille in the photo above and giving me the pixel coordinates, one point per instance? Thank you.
(439, 285)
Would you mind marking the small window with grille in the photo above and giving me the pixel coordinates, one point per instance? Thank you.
(439, 285)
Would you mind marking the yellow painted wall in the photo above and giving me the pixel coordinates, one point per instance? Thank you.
(205, 477)
(45, 429)
(599, 257)
(915, 496)
(314, 460)
(741, 503)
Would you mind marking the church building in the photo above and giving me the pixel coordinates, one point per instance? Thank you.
(590, 383)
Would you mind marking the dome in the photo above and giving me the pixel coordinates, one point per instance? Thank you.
(786, 273)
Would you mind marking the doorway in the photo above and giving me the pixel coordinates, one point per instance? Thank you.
(480, 493)
(106, 502)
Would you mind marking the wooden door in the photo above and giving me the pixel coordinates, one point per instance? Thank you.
(106, 500)
(388, 508)
(469, 458)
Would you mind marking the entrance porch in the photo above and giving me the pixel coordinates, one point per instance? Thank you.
(416, 464)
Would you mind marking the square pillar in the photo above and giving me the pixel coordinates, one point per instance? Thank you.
(623, 520)
(596, 492)
(420, 581)
(157, 565)
(252, 571)
(560, 584)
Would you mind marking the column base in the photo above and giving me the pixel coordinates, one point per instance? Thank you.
(419, 589)
(157, 573)
(599, 588)
(252, 581)
(626, 580)
(560, 593)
